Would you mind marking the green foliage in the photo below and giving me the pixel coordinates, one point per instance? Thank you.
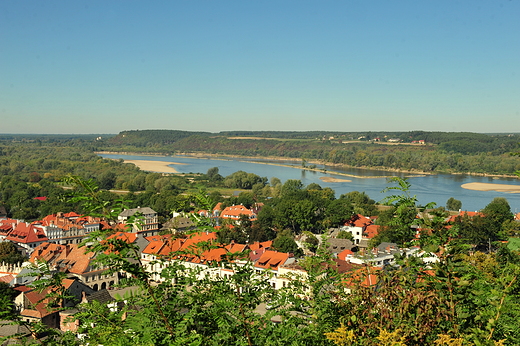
(243, 180)
(284, 242)
(397, 222)
(453, 204)
(10, 254)
(361, 203)
(345, 235)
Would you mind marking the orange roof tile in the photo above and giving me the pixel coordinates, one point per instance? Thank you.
(272, 259)
(235, 211)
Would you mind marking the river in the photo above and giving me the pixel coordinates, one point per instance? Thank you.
(428, 188)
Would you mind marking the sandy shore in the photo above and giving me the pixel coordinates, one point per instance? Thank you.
(334, 180)
(155, 166)
(492, 187)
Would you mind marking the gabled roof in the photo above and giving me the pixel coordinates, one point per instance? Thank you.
(130, 212)
(464, 213)
(343, 255)
(358, 220)
(7, 278)
(38, 304)
(371, 231)
(235, 211)
(365, 276)
(257, 245)
(125, 236)
(272, 259)
(26, 233)
(66, 258)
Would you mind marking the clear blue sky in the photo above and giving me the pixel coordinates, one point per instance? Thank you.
(108, 66)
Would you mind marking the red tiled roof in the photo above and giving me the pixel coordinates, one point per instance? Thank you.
(366, 277)
(358, 220)
(235, 211)
(343, 254)
(125, 236)
(7, 278)
(26, 233)
(464, 213)
(272, 259)
(371, 231)
(68, 258)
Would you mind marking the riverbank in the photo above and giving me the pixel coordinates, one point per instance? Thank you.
(155, 166)
(297, 164)
(492, 187)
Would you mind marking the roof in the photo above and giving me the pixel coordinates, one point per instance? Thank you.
(365, 276)
(101, 296)
(235, 211)
(371, 231)
(358, 220)
(7, 278)
(337, 245)
(131, 212)
(343, 255)
(272, 259)
(39, 302)
(11, 328)
(67, 258)
(26, 233)
(125, 236)
(464, 213)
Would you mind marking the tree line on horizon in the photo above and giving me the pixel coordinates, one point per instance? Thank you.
(443, 152)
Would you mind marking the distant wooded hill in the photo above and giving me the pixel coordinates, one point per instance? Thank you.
(462, 152)
(419, 151)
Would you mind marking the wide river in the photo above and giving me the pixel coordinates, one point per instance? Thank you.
(428, 188)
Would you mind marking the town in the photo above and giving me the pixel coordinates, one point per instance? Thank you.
(201, 243)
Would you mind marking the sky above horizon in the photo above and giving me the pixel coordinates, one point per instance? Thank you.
(110, 66)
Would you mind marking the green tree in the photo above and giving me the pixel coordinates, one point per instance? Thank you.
(10, 254)
(284, 242)
(397, 222)
(453, 204)
(345, 235)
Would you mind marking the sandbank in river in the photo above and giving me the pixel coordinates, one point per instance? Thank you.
(155, 166)
(492, 187)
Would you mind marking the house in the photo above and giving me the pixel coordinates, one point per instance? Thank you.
(29, 236)
(380, 256)
(236, 211)
(73, 260)
(36, 306)
(462, 213)
(6, 226)
(336, 245)
(147, 223)
(357, 226)
(269, 264)
(178, 223)
(68, 228)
